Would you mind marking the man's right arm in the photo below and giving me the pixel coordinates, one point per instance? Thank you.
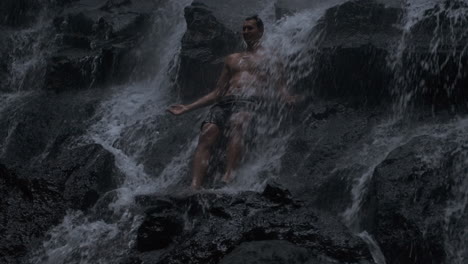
(208, 99)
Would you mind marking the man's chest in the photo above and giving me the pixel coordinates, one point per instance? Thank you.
(252, 64)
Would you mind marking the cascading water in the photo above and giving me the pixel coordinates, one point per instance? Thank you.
(93, 238)
(415, 58)
(406, 63)
(456, 235)
(26, 64)
(86, 238)
(287, 46)
(447, 47)
(129, 121)
(138, 105)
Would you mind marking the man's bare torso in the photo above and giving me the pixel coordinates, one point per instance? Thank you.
(247, 74)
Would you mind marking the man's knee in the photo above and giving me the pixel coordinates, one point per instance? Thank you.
(209, 135)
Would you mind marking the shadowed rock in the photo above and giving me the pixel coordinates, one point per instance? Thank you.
(33, 204)
(219, 223)
(412, 188)
(271, 252)
(204, 46)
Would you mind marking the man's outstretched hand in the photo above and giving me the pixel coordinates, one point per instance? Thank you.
(177, 109)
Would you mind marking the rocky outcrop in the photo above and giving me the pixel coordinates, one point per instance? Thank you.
(411, 190)
(38, 128)
(32, 204)
(83, 44)
(204, 46)
(95, 44)
(206, 228)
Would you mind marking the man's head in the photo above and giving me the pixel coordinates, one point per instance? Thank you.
(252, 30)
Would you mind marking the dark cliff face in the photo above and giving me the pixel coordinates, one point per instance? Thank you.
(342, 170)
(82, 48)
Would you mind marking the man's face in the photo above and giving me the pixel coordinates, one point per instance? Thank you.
(251, 32)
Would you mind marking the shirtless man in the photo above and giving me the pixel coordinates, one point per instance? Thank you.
(234, 96)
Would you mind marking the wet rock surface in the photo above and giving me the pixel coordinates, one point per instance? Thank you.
(95, 43)
(216, 225)
(34, 201)
(68, 52)
(271, 252)
(411, 190)
(204, 46)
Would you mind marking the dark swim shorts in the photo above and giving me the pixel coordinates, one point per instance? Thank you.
(220, 113)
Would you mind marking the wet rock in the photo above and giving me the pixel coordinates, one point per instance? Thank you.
(158, 231)
(40, 126)
(35, 199)
(273, 251)
(98, 175)
(70, 71)
(232, 16)
(354, 41)
(277, 193)
(19, 12)
(95, 42)
(28, 208)
(325, 133)
(110, 4)
(334, 192)
(204, 46)
(411, 188)
(360, 23)
(216, 224)
(439, 34)
(171, 136)
(162, 223)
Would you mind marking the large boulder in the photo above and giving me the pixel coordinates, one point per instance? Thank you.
(39, 126)
(432, 67)
(410, 193)
(323, 136)
(32, 204)
(204, 46)
(354, 40)
(216, 224)
(95, 44)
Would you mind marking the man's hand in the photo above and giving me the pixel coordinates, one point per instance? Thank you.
(177, 109)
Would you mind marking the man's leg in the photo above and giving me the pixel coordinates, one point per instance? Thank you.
(235, 146)
(208, 138)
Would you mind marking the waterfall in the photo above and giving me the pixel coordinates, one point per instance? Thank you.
(26, 59)
(138, 105)
(29, 48)
(132, 115)
(411, 69)
(107, 233)
(408, 85)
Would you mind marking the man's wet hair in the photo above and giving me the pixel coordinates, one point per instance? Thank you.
(258, 21)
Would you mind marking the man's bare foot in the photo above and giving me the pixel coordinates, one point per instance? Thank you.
(227, 178)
